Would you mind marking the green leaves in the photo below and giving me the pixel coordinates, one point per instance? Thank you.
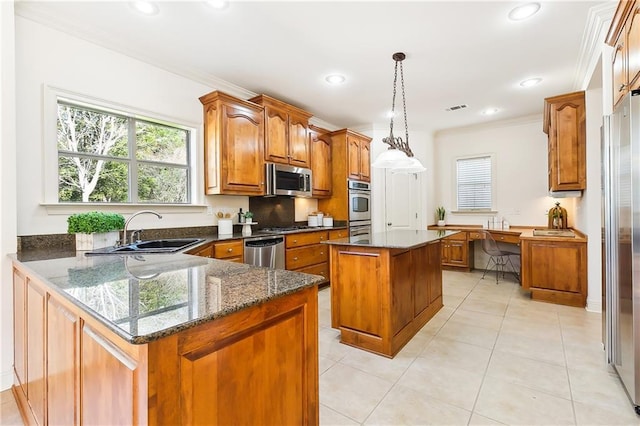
(94, 222)
(440, 212)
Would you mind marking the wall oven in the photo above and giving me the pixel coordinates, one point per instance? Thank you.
(359, 201)
(288, 180)
(360, 230)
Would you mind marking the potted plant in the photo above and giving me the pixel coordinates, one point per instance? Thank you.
(440, 212)
(248, 217)
(95, 229)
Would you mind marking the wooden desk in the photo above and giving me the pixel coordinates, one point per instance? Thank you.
(553, 269)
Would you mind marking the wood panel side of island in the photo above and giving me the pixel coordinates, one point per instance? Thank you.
(381, 297)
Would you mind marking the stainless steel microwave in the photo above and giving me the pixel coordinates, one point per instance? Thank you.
(288, 180)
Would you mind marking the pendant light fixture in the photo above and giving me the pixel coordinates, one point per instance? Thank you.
(399, 157)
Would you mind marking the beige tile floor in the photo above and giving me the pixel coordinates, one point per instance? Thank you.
(491, 356)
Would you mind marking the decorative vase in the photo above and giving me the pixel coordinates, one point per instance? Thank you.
(96, 240)
(441, 223)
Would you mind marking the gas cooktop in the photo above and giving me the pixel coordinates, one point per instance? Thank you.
(285, 229)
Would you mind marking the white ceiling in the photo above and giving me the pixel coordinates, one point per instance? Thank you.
(457, 52)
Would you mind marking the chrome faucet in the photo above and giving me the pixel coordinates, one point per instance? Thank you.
(126, 224)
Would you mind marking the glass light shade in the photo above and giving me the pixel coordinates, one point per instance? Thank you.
(390, 159)
(415, 166)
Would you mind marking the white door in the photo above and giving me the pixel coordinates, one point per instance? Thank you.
(402, 200)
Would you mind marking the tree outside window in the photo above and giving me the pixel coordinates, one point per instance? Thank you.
(105, 157)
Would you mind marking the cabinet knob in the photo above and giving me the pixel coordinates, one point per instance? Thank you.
(229, 250)
(321, 252)
(321, 238)
(295, 258)
(295, 241)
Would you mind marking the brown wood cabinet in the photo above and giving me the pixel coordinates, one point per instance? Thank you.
(233, 145)
(350, 152)
(381, 297)
(230, 250)
(305, 253)
(320, 143)
(455, 252)
(71, 369)
(545, 266)
(624, 37)
(565, 124)
(287, 132)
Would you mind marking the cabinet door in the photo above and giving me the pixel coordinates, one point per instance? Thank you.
(299, 154)
(276, 146)
(353, 152)
(321, 164)
(204, 251)
(619, 69)
(229, 250)
(567, 139)
(434, 273)
(455, 250)
(365, 161)
(402, 297)
(633, 48)
(242, 151)
(62, 365)
(36, 365)
(20, 329)
(107, 367)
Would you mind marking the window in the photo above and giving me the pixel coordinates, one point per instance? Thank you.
(474, 183)
(114, 157)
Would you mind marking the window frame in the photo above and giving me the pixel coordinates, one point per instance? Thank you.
(50, 159)
(492, 208)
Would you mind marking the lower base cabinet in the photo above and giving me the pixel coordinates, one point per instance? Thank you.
(255, 366)
(555, 271)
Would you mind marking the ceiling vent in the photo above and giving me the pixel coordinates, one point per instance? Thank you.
(456, 107)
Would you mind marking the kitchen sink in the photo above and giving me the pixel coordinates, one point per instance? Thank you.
(149, 247)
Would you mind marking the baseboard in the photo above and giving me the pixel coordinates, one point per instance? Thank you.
(594, 305)
(6, 380)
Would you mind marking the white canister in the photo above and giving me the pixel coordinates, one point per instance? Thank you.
(312, 220)
(225, 227)
(327, 221)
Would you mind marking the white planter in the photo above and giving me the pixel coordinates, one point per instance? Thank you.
(441, 223)
(96, 241)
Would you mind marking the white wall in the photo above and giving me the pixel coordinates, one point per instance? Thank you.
(7, 188)
(46, 57)
(520, 148)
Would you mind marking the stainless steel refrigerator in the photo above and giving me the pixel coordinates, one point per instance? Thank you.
(621, 201)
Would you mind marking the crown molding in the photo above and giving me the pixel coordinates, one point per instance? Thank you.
(593, 38)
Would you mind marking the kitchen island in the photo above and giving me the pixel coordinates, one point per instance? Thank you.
(385, 288)
(164, 339)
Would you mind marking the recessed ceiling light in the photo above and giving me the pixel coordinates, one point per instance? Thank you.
(524, 11)
(146, 7)
(335, 79)
(530, 82)
(490, 111)
(218, 4)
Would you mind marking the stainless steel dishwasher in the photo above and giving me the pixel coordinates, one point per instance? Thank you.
(266, 251)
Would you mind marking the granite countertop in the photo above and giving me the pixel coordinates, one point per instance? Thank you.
(145, 298)
(402, 239)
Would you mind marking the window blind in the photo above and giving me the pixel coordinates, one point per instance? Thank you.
(474, 183)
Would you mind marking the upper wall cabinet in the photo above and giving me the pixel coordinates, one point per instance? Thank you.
(624, 37)
(565, 124)
(287, 132)
(320, 143)
(359, 155)
(233, 145)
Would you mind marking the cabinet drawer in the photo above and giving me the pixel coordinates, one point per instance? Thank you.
(505, 238)
(338, 233)
(475, 235)
(305, 256)
(321, 269)
(306, 238)
(202, 251)
(228, 249)
(462, 236)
